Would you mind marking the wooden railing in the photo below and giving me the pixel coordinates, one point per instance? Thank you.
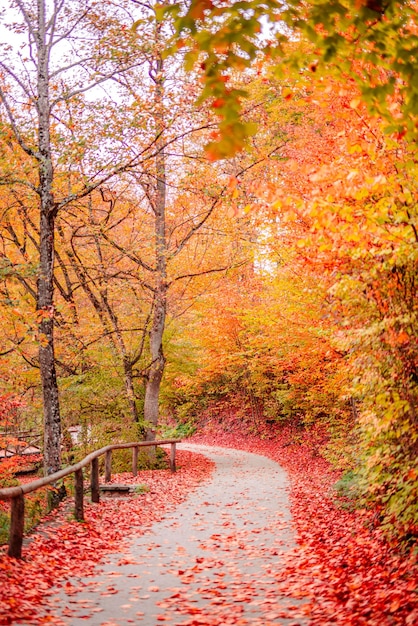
(17, 494)
(29, 443)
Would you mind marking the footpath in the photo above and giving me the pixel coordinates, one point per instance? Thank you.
(212, 561)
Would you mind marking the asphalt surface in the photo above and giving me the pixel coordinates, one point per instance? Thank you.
(212, 561)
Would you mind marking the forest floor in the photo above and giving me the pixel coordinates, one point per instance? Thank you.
(341, 569)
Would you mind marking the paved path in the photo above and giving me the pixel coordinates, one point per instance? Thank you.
(212, 561)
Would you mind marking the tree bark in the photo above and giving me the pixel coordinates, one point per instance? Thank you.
(45, 296)
(156, 369)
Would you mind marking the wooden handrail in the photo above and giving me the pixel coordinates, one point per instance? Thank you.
(16, 494)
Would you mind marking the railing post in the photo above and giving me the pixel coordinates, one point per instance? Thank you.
(79, 496)
(108, 466)
(17, 524)
(173, 457)
(135, 461)
(94, 480)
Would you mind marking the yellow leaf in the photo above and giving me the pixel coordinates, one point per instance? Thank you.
(355, 103)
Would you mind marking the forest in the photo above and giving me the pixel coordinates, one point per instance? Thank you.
(208, 218)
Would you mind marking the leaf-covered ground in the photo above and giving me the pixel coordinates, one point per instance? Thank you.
(351, 574)
(212, 561)
(63, 548)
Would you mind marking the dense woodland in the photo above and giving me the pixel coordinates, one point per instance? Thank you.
(201, 215)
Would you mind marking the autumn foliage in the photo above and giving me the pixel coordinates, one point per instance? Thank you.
(250, 253)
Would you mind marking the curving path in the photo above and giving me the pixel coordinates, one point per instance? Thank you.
(212, 561)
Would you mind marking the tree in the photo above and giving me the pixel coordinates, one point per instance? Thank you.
(158, 200)
(61, 53)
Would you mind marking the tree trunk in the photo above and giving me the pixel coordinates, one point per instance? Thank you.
(129, 387)
(52, 421)
(45, 296)
(156, 370)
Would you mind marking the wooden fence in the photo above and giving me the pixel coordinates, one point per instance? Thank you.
(29, 443)
(17, 494)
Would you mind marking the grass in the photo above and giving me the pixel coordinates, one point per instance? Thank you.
(347, 491)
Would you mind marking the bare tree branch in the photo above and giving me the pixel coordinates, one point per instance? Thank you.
(13, 124)
(203, 272)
